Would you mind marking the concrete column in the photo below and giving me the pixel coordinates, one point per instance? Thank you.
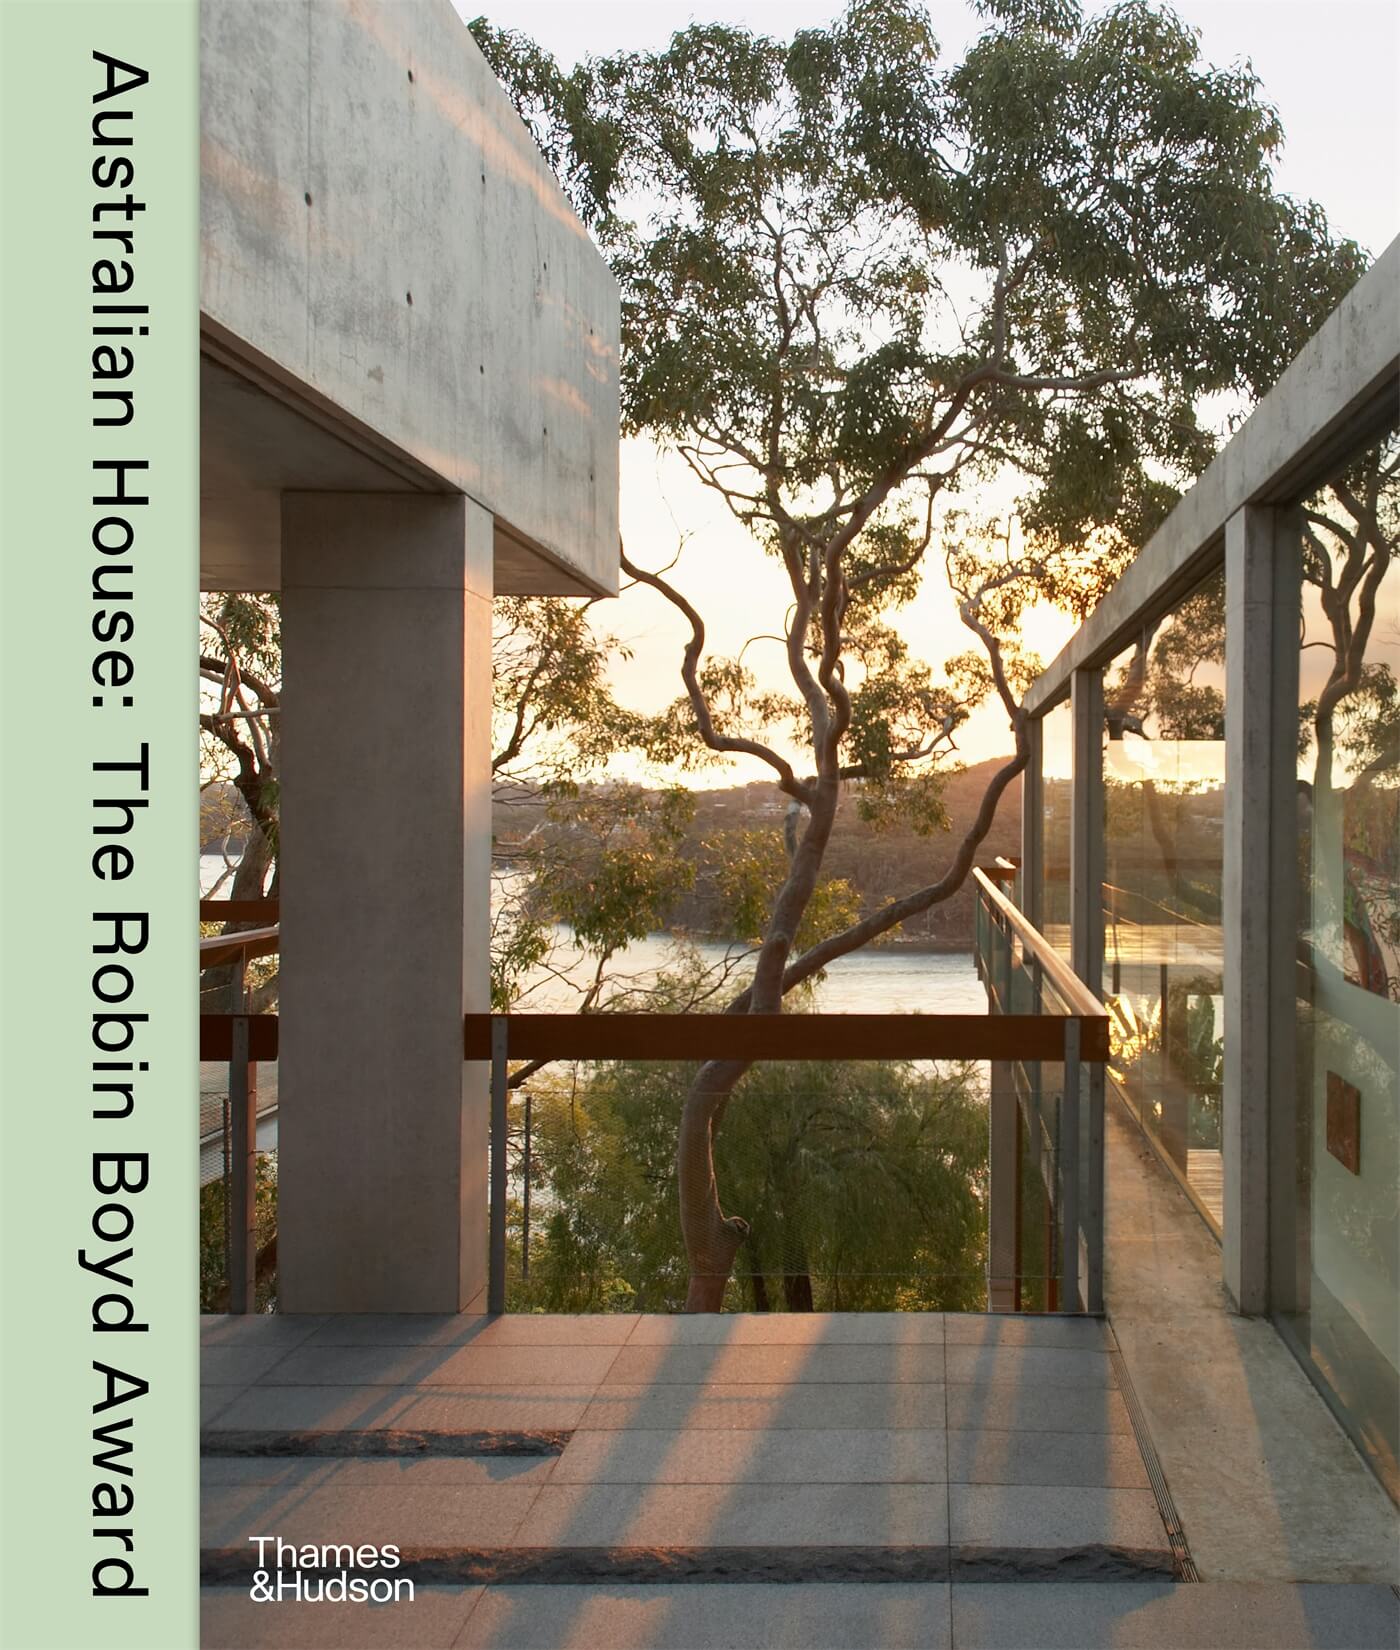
(385, 880)
(1258, 898)
(1086, 850)
(1033, 824)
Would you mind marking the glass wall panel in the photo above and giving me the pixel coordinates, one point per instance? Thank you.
(1164, 776)
(1346, 1192)
(1057, 749)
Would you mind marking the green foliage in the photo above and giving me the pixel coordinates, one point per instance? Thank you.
(742, 872)
(554, 717)
(1155, 694)
(789, 221)
(865, 1184)
(1367, 726)
(613, 870)
(857, 280)
(213, 1274)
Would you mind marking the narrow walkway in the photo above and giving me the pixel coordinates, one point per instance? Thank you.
(566, 1483)
(1268, 1486)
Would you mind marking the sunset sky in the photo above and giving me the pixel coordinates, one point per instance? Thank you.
(1329, 66)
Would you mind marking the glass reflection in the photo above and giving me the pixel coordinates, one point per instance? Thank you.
(1345, 1307)
(1164, 774)
(1056, 820)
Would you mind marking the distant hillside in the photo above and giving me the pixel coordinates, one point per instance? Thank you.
(880, 864)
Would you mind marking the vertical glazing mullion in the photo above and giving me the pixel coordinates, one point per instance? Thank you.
(1068, 1176)
(496, 1276)
(1093, 1202)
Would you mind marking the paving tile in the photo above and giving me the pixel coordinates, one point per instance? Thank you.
(1033, 1515)
(776, 1405)
(257, 1328)
(223, 1365)
(476, 1329)
(1293, 1503)
(890, 1616)
(1033, 1365)
(997, 1405)
(789, 1329)
(289, 1472)
(471, 1365)
(1268, 1486)
(431, 1620)
(800, 1365)
(1031, 1329)
(430, 1409)
(399, 1329)
(214, 1400)
(778, 1456)
(442, 1515)
(559, 1329)
(1106, 1459)
(735, 1515)
(1152, 1616)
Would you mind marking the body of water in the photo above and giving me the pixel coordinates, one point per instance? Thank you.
(898, 981)
(902, 981)
(867, 982)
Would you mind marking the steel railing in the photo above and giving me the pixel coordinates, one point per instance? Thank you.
(1056, 1022)
(1050, 1104)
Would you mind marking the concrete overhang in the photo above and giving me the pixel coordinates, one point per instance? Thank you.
(395, 294)
(259, 439)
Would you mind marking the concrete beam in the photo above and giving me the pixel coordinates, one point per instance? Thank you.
(381, 237)
(1260, 870)
(385, 879)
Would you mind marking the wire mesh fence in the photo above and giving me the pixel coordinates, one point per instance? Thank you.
(861, 1185)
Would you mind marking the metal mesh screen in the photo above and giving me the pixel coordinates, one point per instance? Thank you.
(862, 1185)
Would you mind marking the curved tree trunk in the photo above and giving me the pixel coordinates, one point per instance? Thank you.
(712, 1238)
(797, 1291)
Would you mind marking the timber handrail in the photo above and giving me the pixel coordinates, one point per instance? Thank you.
(1072, 991)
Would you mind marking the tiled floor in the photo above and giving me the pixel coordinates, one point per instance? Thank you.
(866, 1430)
(1267, 1485)
(786, 1439)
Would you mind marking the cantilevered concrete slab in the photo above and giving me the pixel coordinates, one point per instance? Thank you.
(409, 404)
(391, 273)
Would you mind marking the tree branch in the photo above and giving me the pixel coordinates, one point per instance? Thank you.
(715, 740)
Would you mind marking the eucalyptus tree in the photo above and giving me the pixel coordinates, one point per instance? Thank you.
(603, 861)
(856, 282)
(240, 673)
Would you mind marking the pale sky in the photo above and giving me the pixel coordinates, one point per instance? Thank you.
(1330, 67)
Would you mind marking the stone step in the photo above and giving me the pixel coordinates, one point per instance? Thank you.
(892, 1615)
(724, 1565)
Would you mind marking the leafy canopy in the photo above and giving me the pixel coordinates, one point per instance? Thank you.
(847, 266)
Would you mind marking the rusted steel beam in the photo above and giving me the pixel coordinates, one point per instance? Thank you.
(783, 1037)
(216, 1036)
(240, 910)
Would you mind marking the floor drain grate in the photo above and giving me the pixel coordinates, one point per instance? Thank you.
(1171, 1519)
